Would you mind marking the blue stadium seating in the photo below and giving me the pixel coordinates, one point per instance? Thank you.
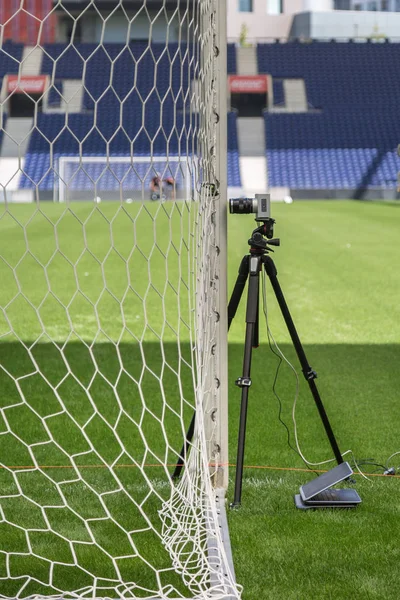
(350, 140)
(319, 168)
(99, 137)
(113, 137)
(10, 58)
(64, 61)
(337, 74)
(347, 129)
(232, 59)
(234, 179)
(332, 168)
(115, 72)
(136, 101)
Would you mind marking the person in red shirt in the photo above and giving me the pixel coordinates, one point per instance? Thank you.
(171, 187)
(155, 187)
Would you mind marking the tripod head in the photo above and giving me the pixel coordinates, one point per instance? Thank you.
(257, 242)
(261, 205)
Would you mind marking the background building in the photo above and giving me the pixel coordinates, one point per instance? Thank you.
(375, 5)
(252, 20)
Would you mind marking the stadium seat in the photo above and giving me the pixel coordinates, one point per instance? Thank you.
(349, 137)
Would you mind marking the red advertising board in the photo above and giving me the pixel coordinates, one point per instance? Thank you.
(248, 84)
(30, 84)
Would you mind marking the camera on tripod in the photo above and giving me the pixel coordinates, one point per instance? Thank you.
(251, 266)
(260, 206)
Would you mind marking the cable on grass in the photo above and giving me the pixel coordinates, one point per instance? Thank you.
(280, 359)
(389, 459)
(282, 356)
(371, 462)
(385, 469)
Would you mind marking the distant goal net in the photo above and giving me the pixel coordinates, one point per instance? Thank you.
(113, 301)
(125, 178)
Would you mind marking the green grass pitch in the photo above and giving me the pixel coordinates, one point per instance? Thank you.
(339, 269)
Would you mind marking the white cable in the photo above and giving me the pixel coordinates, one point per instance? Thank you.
(390, 457)
(283, 357)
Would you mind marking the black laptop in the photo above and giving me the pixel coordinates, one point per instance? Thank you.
(319, 493)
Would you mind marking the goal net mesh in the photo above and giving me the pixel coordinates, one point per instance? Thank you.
(109, 302)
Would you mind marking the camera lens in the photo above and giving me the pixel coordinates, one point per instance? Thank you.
(242, 206)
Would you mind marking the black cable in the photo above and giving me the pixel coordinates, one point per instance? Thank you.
(369, 462)
(356, 463)
(278, 397)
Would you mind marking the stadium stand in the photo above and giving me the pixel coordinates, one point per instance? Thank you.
(10, 57)
(234, 179)
(138, 73)
(110, 138)
(231, 51)
(62, 61)
(348, 139)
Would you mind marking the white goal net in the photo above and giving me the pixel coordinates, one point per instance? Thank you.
(112, 300)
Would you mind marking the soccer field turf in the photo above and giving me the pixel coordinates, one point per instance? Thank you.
(338, 267)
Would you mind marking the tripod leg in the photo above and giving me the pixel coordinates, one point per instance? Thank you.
(185, 448)
(244, 382)
(232, 308)
(256, 336)
(308, 372)
(238, 289)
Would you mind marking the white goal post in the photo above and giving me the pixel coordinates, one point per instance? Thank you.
(113, 306)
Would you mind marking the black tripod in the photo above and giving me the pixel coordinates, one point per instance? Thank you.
(250, 269)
